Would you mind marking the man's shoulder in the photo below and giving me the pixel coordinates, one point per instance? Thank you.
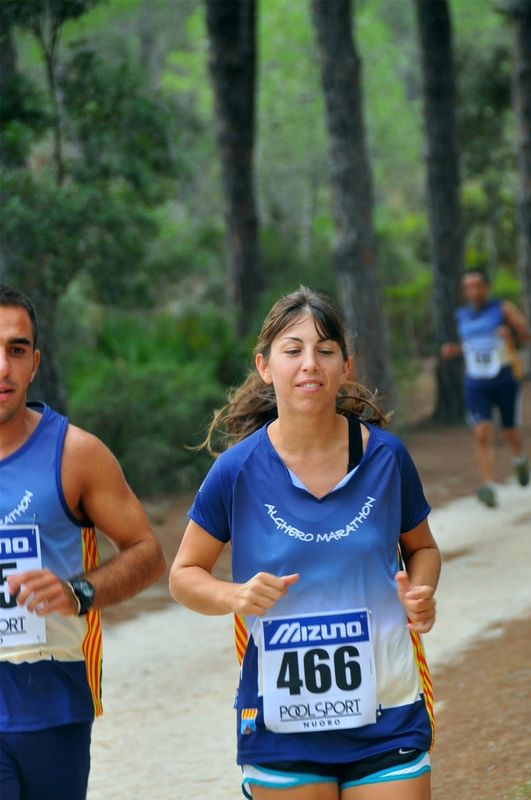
(81, 443)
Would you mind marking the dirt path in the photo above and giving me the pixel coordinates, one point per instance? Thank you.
(170, 674)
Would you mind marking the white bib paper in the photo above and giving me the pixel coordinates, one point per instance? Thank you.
(482, 357)
(20, 550)
(318, 672)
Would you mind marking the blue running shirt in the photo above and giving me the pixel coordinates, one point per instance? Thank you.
(485, 351)
(345, 548)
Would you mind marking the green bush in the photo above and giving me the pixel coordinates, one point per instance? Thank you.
(149, 415)
(147, 385)
(409, 311)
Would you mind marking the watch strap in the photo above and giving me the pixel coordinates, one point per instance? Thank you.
(83, 591)
(76, 598)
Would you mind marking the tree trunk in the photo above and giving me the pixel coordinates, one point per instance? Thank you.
(231, 29)
(521, 14)
(355, 250)
(446, 224)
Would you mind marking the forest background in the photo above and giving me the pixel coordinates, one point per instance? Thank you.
(113, 211)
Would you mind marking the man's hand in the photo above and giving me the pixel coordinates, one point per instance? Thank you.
(42, 592)
(450, 350)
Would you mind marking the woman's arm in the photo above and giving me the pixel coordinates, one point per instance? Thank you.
(193, 585)
(416, 586)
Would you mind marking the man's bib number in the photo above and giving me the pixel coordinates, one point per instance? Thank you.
(482, 357)
(318, 672)
(20, 550)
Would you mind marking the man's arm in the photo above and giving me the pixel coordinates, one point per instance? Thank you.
(516, 321)
(95, 487)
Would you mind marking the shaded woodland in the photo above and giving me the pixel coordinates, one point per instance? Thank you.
(168, 168)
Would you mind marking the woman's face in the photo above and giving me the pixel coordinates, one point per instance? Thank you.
(305, 369)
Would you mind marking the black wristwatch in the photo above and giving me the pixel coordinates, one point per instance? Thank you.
(83, 591)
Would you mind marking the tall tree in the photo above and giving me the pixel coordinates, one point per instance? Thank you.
(446, 224)
(45, 19)
(99, 219)
(355, 249)
(520, 13)
(232, 34)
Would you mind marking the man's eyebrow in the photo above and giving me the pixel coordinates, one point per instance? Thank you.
(20, 340)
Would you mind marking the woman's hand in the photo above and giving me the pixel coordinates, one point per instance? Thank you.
(418, 602)
(260, 593)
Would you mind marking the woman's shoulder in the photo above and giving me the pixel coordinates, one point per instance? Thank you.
(238, 453)
(386, 438)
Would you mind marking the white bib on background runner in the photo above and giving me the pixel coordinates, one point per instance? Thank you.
(317, 671)
(20, 550)
(484, 356)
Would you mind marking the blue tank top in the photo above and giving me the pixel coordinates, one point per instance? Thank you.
(57, 680)
(486, 352)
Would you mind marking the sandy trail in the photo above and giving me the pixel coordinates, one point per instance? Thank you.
(170, 676)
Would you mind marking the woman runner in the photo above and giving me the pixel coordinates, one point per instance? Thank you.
(334, 572)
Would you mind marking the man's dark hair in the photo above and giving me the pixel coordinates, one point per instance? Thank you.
(477, 271)
(10, 297)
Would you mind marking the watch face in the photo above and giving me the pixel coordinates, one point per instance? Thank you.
(84, 591)
(85, 588)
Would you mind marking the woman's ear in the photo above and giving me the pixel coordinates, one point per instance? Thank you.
(347, 366)
(262, 368)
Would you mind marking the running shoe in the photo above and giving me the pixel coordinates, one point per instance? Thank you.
(521, 467)
(487, 495)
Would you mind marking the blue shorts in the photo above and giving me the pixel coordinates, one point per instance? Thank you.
(503, 392)
(402, 763)
(51, 764)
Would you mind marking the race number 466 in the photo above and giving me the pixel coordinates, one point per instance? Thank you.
(318, 672)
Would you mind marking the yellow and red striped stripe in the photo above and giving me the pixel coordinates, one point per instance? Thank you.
(92, 642)
(240, 637)
(425, 679)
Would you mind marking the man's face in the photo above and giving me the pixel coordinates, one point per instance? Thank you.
(18, 361)
(475, 289)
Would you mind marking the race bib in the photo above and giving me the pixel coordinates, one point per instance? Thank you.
(20, 550)
(318, 672)
(482, 357)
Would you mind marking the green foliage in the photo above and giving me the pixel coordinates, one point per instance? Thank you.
(22, 116)
(506, 285)
(148, 387)
(39, 230)
(486, 135)
(49, 233)
(121, 127)
(138, 220)
(35, 12)
(148, 415)
(408, 308)
(402, 244)
(521, 792)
